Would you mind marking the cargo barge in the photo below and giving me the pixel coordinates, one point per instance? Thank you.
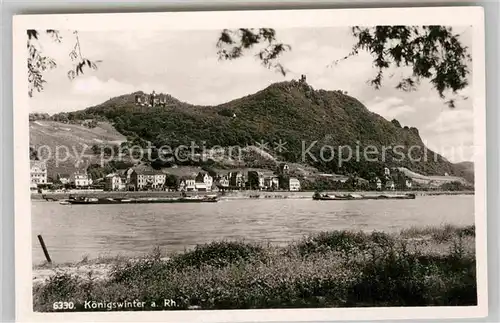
(355, 197)
(93, 200)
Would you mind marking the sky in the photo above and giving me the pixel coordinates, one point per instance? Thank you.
(185, 65)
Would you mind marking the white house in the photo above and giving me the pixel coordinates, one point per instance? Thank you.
(187, 184)
(63, 178)
(261, 181)
(204, 181)
(335, 177)
(202, 187)
(272, 182)
(408, 183)
(38, 172)
(224, 181)
(114, 182)
(237, 179)
(275, 181)
(147, 179)
(294, 184)
(80, 179)
(182, 185)
(159, 180)
(191, 184)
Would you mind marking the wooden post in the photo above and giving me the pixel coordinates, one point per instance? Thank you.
(45, 251)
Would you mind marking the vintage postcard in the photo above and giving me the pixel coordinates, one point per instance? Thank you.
(299, 165)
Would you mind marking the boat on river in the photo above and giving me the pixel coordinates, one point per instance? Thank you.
(184, 199)
(49, 199)
(357, 197)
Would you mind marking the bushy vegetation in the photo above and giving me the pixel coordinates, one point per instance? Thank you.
(455, 186)
(218, 254)
(96, 171)
(440, 234)
(417, 267)
(290, 112)
(328, 184)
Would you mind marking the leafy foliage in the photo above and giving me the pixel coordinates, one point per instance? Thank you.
(341, 241)
(38, 63)
(465, 170)
(218, 254)
(33, 153)
(432, 52)
(79, 60)
(454, 186)
(232, 44)
(39, 116)
(331, 269)
(292, 112)
(96, 171)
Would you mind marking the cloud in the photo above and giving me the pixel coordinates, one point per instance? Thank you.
(390, 107)
(452, 120)
(455, 146)
(91, 85)
(461, 97)
(430, 99)
(451, 134)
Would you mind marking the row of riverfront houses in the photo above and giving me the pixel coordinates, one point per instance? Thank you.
(142, 179)
(39, 177)
(139, 180)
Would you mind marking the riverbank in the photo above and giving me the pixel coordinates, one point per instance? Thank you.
(231, 195)
(415, 267)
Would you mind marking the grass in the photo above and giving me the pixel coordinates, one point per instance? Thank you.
(440, 234)
(85, 261)
(416, 267)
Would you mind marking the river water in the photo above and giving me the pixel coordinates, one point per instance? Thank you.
(74, 231)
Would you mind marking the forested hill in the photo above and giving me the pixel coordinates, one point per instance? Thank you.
(292, 112)
(465, 170)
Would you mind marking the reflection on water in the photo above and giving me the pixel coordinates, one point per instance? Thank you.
(74, 231)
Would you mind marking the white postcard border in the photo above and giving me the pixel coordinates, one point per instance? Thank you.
(473, 16)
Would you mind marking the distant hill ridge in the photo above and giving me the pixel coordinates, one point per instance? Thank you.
(290, 111)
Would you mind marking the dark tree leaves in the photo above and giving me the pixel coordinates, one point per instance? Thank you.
(32, 34)
(55, 35)
(33, 153)
(80, 61)
(38, 63)
(233, 44)
(432, 52)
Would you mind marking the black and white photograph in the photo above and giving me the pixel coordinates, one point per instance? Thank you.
(173, 163)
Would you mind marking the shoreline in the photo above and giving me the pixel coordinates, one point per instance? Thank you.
(230, 195)
(102, 264)
(418, 266)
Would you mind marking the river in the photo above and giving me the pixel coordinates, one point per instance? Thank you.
(74, 231)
